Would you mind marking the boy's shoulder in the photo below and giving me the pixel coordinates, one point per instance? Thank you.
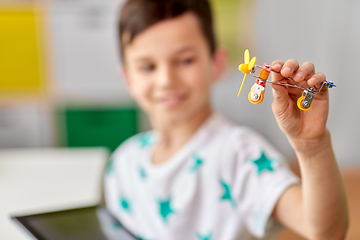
(236, 133)
(245, 141)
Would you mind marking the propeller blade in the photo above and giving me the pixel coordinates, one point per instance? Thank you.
(252, 63)
(242, 84)
(246, 56)
(244, 68)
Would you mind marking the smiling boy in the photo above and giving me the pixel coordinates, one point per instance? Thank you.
(196, 175)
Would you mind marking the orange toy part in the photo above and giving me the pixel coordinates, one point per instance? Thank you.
(261, 98)
(299, 104)
(265, 71)
(264, 74)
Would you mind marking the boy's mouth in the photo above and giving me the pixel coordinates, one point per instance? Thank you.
(172, 101)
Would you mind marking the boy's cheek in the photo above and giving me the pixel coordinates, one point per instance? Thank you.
(141, 92)
(136, 83)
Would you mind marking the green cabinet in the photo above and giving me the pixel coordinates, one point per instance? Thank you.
(90, 127)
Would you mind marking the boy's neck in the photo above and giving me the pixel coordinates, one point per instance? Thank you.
(174, 136)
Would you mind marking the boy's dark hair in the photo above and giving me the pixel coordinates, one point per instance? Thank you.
(138, 15)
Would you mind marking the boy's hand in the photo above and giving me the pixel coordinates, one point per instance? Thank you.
(306, 130)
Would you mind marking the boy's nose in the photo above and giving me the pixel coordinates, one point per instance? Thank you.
(166, 77)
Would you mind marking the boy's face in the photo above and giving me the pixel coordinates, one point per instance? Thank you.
(169, 70)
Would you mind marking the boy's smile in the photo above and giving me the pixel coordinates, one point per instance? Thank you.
(169, 70)
(171, 101)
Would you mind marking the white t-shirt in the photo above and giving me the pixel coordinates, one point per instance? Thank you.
(222, 185)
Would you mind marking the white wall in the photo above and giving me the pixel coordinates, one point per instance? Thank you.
(85, 51)
(26, 125)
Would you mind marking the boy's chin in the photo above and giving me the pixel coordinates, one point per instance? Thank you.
(170, 118)
(179, 117)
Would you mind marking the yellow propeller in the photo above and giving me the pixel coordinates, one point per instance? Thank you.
(246, 67)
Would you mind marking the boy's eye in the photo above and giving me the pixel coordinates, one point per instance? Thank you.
(147, 68)
(187, 61)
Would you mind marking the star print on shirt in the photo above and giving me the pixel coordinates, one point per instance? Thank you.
(207, 237)
(145, 140)
(263, 163)
(125, 204)
(165, 209)
(116, 225)
(227, 196)
(197, 162)
(142, 173)
(141, 238)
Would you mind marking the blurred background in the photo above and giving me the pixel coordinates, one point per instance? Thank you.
(60, 86)
(59, 69)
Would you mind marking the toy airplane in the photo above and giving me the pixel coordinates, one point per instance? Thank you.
(257, 91)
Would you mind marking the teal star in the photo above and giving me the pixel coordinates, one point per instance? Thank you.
(116, 225)
(200, 237)
(125, 204)
(142, 173)
(165, 209)
(110, 166)
(263, 163)
(196, 164)
(145, 140)
(227, 194)
(141, 238)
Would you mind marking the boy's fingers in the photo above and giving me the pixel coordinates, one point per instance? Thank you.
(281, 98)
(304, 72)
(316, 80)
(289, 68)
(280, 92)
(276, 66)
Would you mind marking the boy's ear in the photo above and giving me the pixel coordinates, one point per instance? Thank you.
(220, 63)
(125, 76)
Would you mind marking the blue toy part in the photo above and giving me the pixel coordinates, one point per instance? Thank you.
(330, 84)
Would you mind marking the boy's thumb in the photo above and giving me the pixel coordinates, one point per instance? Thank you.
(281, 98)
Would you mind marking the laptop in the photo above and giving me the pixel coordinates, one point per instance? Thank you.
(88, 223)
